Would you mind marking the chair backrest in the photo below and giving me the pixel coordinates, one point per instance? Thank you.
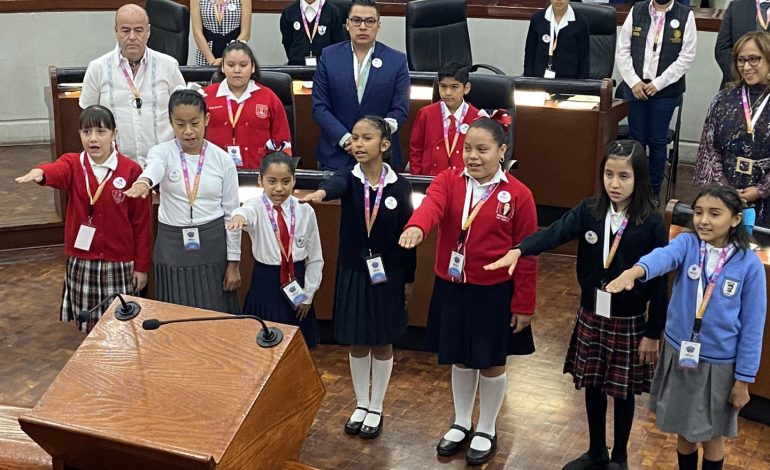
(169, 28)
(281, 84)
(344, 8)
(602, 24)
(437, 33)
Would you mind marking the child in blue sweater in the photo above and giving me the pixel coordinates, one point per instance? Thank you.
(713, 334)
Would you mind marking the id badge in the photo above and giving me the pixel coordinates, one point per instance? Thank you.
(191, 239)
(376, 269)
(235, 154)
(456, 262)
(689, 355)
(603, 303)
(311, 61)
(85, 237)
(294, 293)
(549, 74)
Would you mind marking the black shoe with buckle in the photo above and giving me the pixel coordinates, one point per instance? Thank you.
(354, 427)
(478, 457)
(370, 432)
(446, 447)
(586, 462)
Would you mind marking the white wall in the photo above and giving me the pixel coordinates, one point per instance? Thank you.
(72, 39)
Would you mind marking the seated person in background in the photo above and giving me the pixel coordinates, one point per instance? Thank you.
(740, 17)
(216, 23)
(439, 129)
(307, 27)
(557, 43)
(247, 119)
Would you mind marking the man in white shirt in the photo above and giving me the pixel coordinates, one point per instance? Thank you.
(135, 83)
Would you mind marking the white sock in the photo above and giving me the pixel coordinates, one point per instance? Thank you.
(359, 372)
(380, 379)
(464, 382)
(491, 395)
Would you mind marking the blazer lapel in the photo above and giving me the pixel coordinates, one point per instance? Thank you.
(374, 72)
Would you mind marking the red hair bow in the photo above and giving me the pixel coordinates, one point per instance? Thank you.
(502, 117)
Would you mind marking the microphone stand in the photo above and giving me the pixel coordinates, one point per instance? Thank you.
(125, 312)
(266, 338)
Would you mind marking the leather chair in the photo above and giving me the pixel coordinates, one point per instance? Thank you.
(602, 24)
(344, 8)
(170, 28)
(437, 33)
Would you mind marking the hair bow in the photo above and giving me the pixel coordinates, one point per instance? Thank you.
(191, 86)
(502, 117)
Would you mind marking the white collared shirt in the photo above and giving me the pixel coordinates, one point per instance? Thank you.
(390, 176)
(458, 114)
(474, 190)
(307, 240)
(310, 10)
(157, 77)
(616, 218)
(217, 193)
(712, 258)
(558, 26)
(224, 90)
(101, 169)
(651, 59)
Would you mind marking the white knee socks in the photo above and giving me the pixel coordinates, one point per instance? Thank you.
(380, 379)
(359, 372)
(464, 382)
(491, 395)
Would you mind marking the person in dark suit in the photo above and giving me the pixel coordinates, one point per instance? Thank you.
(307, 27)
(357, 78)
(740, 17)
(557, 43)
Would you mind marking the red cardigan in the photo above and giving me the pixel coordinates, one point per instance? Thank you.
(427, 150)
(494, 231)
(263, 119)
(122, 224)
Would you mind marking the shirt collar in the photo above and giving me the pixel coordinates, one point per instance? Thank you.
(390, 177)
(568, 16)
(122, 59)
(499, 176)
(111, 162)
(305, 5)
(224, 90)
(366, 57)
(654, 12)
(458, 112)
(616, 213)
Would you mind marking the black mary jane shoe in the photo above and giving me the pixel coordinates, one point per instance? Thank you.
(478, 457)
(354, 427)
(446, 447)
(370, 432)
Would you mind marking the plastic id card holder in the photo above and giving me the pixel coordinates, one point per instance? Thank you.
(191, 239)
(603, 303)
(549, 74)
(235, 154)
(376, 269)
(456, 263)
(85, 237)
(689, 355)
(311, 61)
(294, 293)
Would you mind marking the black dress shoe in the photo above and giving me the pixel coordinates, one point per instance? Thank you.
(446, 447)
(586, 462)
(353, 427)
(478, 457)
(370, 432)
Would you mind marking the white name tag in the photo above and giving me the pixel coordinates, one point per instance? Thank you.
(376, 269)
(294, 293)
(456, 263)
(603, 303)
(85, 237)
(235, 154)
(311, 61)
(191, 239)
(689, 355)
(549, 74)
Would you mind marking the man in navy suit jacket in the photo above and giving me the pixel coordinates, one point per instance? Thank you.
(356, 78)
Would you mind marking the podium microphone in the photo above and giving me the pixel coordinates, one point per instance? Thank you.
(267, 337)
(126, 311)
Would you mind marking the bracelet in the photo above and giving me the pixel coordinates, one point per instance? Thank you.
(144, 183)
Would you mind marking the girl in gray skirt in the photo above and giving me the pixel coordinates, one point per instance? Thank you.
(714, 327)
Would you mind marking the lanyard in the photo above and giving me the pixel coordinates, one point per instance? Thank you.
(450, 149)
(553, 43)
(95, 197)
(473, 213)
(370, 217)
(317, 20)
(761, 20)
(712, 281)
(751, 118)
(660, 22)
(134, 90)
(219, 10)
(192, 194)
(609, 253)
(286, 253)
(234, 119)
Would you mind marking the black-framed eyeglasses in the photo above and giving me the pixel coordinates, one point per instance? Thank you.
(753, 60)
(369, 22)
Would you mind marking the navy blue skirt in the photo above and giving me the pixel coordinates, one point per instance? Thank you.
(471, 325)
(266, 299)
(366, 314)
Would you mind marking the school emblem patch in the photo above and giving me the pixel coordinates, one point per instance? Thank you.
(504, 211)
(730, 287)
(261, 110)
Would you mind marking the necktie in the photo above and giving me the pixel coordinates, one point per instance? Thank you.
(283, 233)
(452, 127)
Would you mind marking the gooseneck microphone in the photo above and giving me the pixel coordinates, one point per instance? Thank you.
(267, 337)
(126, 311)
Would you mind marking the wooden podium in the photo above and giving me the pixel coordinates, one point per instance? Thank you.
(198, 395)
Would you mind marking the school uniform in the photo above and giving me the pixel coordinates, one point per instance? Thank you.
(694, 403)
(219, 31)
(569, 39)
(469, 319)
(603, 351)
(427, 146)
(262, 126)
(121, 243)
(193, 277)
(365, 313)
(296, 39)
(265, 297)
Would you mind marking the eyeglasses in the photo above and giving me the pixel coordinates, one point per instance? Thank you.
(369, 22)
(753, 60)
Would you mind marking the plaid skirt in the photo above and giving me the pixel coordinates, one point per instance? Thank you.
(603, 353)
(88, 281)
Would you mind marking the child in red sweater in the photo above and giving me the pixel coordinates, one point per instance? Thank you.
(106, 235)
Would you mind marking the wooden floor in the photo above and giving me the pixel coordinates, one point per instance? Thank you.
(26, 204)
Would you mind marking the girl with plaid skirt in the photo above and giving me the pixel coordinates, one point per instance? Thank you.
(615, 339)
(106, 235)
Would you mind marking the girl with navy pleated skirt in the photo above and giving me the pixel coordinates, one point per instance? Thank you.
(374, 274)
(713, 335)
(477, 318)
(287, 249)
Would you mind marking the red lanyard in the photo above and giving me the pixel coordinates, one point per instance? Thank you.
(317, 20)
(286, 252)
(370, 215)
(94, 198)
(450, 149)
(616, 243)
(192, 194)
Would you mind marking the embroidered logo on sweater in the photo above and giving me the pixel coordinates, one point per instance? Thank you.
(261, 110)
(730, 287)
